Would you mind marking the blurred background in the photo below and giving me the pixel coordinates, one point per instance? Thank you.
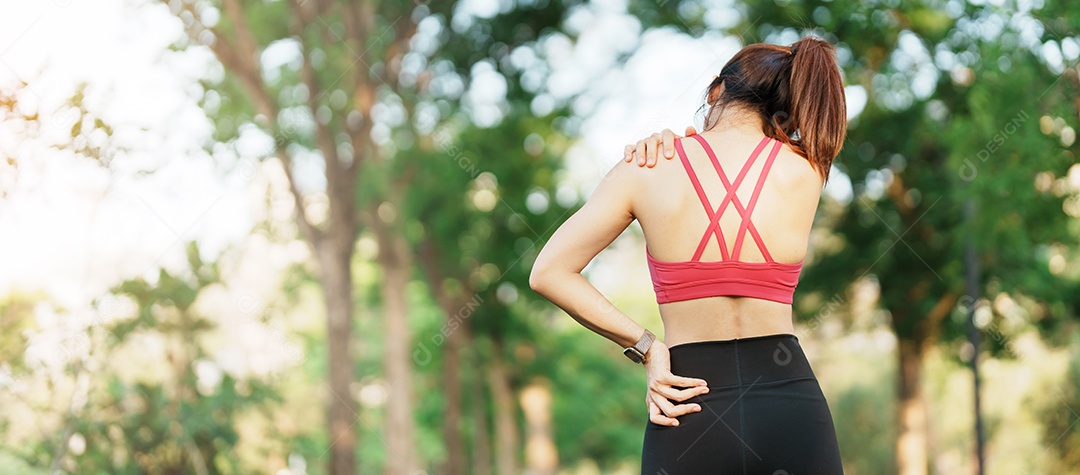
(293, 236)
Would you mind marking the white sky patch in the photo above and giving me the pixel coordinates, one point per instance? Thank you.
(604, 32)
(79, 227)
(1051, 54)
(855, 97)
(661, 86)
(486, 95)
(278, 54)
(839, 187)
(912, 55)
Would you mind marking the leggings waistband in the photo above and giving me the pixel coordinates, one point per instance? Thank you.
(742, 361)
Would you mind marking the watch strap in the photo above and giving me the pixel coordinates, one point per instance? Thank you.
(637, 352)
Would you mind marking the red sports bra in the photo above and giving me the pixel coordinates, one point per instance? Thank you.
(694, 279)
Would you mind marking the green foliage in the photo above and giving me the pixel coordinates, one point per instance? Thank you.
(1061, 433)
(15, 466)
(172, 422)
(865, 430)
(599, 406)
(16, 317)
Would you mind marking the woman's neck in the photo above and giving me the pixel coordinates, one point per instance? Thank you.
(740, 119)
(746, 128)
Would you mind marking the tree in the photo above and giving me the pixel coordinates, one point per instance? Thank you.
(354, 96)
(186, 422)
(101, 409)
(471, 185)
(315, 106)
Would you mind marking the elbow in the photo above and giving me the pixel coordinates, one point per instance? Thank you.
(538, 279)
(542, 276)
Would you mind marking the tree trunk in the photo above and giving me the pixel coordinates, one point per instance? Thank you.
(481, 460)
(336, 280)
(541, 456)
(238, 49)
(455, 333)
(911, 447)
(506, 434)
(394, 257)
(455, 445)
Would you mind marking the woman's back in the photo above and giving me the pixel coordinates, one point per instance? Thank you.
(675, 222)
(724, 268)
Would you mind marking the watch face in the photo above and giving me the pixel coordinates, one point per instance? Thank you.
(634, 354)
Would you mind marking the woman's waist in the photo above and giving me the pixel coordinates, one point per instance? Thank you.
(723, 318)
(742, 361)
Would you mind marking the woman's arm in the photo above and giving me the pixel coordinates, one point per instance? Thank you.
(556, 275)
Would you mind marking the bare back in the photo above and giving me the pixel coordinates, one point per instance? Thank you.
(674, 220)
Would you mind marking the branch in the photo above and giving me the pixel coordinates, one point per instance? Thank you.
(404, 29)
(359, 22)
(240, 55)
(897, 192)
(312, 233)
(323, 139)
(340, 181)
(364, 95)
(937, 314)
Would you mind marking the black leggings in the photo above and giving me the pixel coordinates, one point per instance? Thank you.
(764, 413)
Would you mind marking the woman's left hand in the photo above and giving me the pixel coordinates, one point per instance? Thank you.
(662, 388)
(647, 149)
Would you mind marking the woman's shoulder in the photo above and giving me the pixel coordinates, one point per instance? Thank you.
(632, 174)
(792, 169)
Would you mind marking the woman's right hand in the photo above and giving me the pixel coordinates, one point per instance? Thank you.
(662, 388)
(647, 149)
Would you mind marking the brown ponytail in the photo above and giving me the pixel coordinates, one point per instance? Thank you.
(798, 92)
(818, 106)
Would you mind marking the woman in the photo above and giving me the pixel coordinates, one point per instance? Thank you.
(729, 388)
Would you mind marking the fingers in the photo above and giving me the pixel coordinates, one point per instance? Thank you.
(639, 152)
(658, 418)
(669, 143)
(669, 410)
(681, 382)
(680, 395)
(650, 155)
(678, 410)
(663, 411)
(645, 151)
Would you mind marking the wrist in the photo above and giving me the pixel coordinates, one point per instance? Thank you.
(650, 352)
(637, 352)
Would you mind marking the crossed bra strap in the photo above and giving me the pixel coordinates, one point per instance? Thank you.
(745, 212)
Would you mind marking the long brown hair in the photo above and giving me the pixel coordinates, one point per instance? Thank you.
(797, 90)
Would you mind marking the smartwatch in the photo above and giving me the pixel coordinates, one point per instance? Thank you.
(637, 352)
